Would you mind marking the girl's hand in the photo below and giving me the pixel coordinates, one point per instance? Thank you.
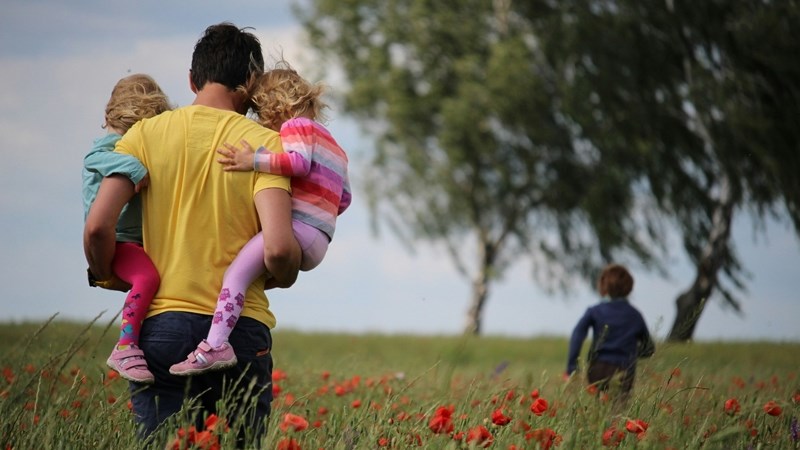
(236, 159)
(143, 183)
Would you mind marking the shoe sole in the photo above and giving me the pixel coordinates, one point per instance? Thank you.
(219, 365)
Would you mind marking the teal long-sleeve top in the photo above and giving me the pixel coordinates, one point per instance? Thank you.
(103, 161)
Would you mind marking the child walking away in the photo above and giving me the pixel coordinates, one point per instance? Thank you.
(619, 334)
(133, 98)
(320, 193)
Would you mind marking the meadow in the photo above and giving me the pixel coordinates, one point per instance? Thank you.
(336, 391)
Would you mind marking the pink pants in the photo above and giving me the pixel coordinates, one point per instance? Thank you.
(132, 265)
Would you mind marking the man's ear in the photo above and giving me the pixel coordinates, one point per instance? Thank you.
(191, 83)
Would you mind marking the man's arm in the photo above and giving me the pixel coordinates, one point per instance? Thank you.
(99, 232)
(281, 250)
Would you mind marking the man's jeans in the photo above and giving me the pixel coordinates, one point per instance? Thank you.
(168, 337)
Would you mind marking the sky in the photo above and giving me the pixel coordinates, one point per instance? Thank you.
(58, 64)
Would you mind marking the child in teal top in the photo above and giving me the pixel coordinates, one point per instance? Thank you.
(134, 98)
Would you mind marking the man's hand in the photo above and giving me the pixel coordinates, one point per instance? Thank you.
(143, 183)
(113, 283)
(270, 284)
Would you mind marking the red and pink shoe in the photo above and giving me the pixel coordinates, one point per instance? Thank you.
(131, 365)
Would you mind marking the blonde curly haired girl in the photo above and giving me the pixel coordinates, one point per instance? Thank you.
(285, 102)
(133, 98)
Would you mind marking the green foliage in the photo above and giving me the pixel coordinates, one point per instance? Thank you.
(571, 133)
(472, 150)
(361, 391)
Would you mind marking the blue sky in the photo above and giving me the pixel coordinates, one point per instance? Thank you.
(58, 63)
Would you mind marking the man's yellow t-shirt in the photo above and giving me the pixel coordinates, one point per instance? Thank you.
(195, 216)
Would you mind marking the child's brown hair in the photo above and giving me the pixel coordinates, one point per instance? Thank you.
(281, 94)
(615, 281)
(134, 98)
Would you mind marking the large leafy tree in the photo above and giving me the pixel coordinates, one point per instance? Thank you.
(702, 100)
(565, 132)
(472, 150)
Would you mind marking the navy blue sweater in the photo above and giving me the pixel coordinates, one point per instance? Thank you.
(619, 335)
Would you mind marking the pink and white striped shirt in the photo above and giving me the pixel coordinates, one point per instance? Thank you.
(318, 167)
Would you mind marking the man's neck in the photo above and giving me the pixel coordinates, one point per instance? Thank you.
(216, 95)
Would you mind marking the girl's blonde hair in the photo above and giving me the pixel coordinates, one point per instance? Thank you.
(134, 98)
(281, 94)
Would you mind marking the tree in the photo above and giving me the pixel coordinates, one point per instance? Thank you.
(708, 94)
(571, 132)
(751, 125)
(473, 151)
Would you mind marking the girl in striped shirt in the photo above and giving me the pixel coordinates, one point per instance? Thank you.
(283, 101)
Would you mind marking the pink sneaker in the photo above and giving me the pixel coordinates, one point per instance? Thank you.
(205, 358)
(130, 364)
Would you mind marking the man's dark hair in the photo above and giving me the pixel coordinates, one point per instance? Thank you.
(226, 55)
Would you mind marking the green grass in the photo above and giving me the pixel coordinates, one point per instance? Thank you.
(366, 391)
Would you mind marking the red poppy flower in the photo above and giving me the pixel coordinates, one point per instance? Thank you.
(213, 422)
(772, 408)
(636, 426)
(546, 437)
(480, 436)
(206, 440)
(288, 444)
(612, 437)
(294, 422)
(498, 418)
(442, 420)
(732, 406)
(539, 406)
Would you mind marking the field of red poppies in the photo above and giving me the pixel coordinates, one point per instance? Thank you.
(397, 392)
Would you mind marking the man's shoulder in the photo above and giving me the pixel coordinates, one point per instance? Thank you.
(242, 128)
